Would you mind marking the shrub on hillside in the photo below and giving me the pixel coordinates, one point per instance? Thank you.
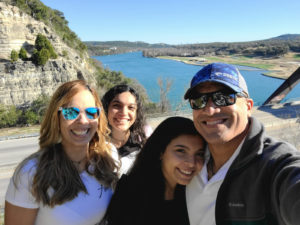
(43, 50)
(50, 17)
(40, 57)
(64, 53)
(31, 118)
(23, 54)
(108, 79)
(39, 106)
(14, 56)
(35, 112)
(41, 42)
(9, 116)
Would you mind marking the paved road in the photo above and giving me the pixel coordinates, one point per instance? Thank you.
(11, 153)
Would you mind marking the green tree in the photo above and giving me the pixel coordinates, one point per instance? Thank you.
(39, 11)
(23, 54)
(43, 50)
(22, 4)
(14, 56)
(41, 42)
(41, 57)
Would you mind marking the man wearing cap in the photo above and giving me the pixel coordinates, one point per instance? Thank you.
(248, 177)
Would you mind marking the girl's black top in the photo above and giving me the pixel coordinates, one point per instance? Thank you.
(132, 206)
(130, 146)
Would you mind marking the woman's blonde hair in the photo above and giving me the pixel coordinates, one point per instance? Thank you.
(54, 169)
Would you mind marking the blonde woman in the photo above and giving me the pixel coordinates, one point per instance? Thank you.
(69, 180)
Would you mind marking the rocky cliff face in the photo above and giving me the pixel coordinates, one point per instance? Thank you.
(22, 82)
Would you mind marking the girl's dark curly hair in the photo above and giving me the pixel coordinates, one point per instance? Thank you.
(138, 127)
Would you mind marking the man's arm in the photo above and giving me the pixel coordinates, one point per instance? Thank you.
(287, 189)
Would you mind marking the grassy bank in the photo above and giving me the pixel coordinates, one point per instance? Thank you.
(242, 61)
(14, 131)
(281, 67)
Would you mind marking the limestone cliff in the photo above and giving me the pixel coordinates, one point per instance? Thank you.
(22, 82)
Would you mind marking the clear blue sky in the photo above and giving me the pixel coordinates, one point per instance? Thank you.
(179, 21)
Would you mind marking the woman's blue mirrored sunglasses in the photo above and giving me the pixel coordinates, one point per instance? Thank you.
(71, 113)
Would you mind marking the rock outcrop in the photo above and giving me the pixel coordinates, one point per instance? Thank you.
(22, 82)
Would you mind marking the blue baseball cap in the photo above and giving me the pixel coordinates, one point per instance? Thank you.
(222, 73)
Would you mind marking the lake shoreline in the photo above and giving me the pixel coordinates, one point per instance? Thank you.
(280, 68)
(146, 70)
(268, 74)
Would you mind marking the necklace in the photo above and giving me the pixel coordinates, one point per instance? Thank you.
(79, 162)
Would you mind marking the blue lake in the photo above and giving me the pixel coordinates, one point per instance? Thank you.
(148, 70)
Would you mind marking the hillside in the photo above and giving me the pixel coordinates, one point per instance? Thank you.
(23, 81)
(287, 37)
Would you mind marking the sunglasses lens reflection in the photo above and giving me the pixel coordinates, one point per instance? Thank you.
(92, 113)
(219, 99)
(72, 113)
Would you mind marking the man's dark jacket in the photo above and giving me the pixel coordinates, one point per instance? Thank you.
(262, 185)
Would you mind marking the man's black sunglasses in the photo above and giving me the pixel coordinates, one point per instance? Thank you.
(219, 98)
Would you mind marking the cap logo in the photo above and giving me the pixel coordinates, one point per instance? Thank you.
(226, 75)
(222, 73)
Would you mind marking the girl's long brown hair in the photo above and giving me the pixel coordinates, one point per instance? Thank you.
(54, 169)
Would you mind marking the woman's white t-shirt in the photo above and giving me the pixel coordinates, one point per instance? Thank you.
(86, 209)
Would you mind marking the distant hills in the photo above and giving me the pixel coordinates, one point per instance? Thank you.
(272, 47)
(126, 44)
(117, 47)
(287, 37)
(141, 44)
